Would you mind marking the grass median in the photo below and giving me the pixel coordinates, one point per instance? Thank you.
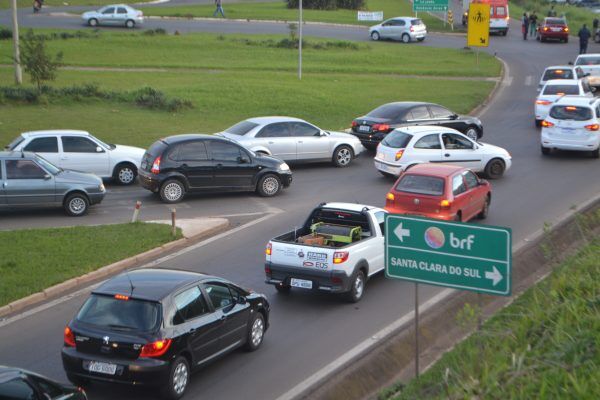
(546, 345)
(35, 259)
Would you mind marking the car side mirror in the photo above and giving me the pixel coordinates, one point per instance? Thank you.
(475, 147)
(47, 177)
(322, 133)
(242, 160)
(99, 149)
(454, 116)
(242, 300)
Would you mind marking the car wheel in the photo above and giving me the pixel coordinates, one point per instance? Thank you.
(342, 156)
(545, 150)
(566, 40)
(179, 376)
(282, 288)
(130, 24)
(495, 168)
(595, 153)
(256, 333)
(538, 123)
(92, 22)
(472, 133)
(172, 191)
(420, 39)
(542, 39)
(357, 289)
(375, 35)
(486, 208)
(458, 217)
(76, 204)
(405, 38)
(269, 185)
(125, 174)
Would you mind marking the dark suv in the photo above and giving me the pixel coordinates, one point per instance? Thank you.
(154, 326)
(18, 384)
(192, 163)
(373, 127)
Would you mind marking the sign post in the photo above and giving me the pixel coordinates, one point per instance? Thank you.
(430, 5)
(478, 27)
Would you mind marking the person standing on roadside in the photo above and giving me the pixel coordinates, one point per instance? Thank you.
(525, 25)
(584, 36)
(219, 8)
(532, 24)
(595, 32)
(552, 11)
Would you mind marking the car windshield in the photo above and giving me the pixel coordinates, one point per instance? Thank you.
(561, 89)
(588, 60)
(115, 314)
(555, 21)
(557, 74)
(15, 142)
(386, 111)
(241, 128)
(47, 165)
(421, 184)
(397, 140)
(574, 113)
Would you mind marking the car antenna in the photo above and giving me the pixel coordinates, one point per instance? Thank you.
(130, 283)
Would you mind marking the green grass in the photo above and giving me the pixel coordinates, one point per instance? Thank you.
(58, 3)
(546, 345)
(576, 16)
(279, 11)
(35, 259)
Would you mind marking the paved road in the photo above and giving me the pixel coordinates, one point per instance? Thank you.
(309, 331)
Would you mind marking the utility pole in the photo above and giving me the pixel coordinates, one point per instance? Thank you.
(16, 55)
(299, 42)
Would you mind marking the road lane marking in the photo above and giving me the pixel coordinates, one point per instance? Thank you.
(528, 80)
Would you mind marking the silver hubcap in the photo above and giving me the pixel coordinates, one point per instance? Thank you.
(126, 175)
(77, 205)
(270, 185)
(405, 39)
(173, 191)
(257, 332)
(344, 156)
(375, 35)
(358, 286)
(93, 22)
(180, 378)
(472, 134)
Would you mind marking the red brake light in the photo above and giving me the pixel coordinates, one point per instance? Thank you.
(543, 102)
(390, 196)
(69, 337)
(340, 257)
(156, 349)
(121, 297)
(354, 123)
(269, 249)
(156, 166)
(412, 28)
(547, 124)
(399, 154)
(592, 127)
(571, 108)
(381, 127)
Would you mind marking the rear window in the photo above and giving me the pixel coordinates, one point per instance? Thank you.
(588, 61)
(157, 148)
(561, 89)
(500, 11)
(387, 111)
(241, 128)
(397, 140)
(421, 184)
(15, 142)
(126, 315)
(557, 74)
(555, 21)
(571, 112)
(416, 22)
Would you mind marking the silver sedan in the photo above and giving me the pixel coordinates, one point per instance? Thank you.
(116, 14)
(294, 140)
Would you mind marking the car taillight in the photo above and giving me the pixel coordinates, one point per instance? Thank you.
(155, 349)
(69, 337)
(380, 127)
(267, 270)
(547, 124)
(445, 203)
(354, 123)
(340, 257)
(412, 28)
(390, 196)
(269, 249)
(592, 127)
(121, 297)
(156, 166)
(543, 102)
(399, 154)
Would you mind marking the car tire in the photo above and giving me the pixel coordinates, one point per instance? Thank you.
(269, 185)
(130, 24)
(595, 153)
(93, 22)
(76, 204)
(256, 332)
(538, 123)
(486, 208)
(375, 36)
(472, 132)
(420, 39)
(125, 174)
(283, 288)
(342, 156)
(545, 150)
(405, 38)
(566, 40)
(495, 168)
(458, 217)
(179, 377)
(357, 287)
(172, 191)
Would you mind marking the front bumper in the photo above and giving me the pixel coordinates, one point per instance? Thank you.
(328, 281)
(286, 178)
(142, 371)
(96, 198)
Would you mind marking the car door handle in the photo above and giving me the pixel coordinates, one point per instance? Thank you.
(271, 142)
(300, 141)
(447, 155)
(184, 166)
(64, 158)
(219, 166)
(4, 184)
(223, 317)
(192, 330)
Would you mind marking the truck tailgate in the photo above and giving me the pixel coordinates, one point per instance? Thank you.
(302, 256)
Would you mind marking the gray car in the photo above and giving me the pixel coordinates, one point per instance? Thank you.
(27, 180)
(294, 140)
(116, 14)
(407, 29)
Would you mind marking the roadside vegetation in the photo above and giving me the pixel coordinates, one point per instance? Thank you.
(58, 3)
(576, 16)
(228, 78)
(35, 259)
(546, 345)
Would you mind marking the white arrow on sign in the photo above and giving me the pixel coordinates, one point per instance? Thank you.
(401, 232)
(494, 275)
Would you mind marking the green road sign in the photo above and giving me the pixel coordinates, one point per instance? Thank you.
(452, 254)
(430, 5)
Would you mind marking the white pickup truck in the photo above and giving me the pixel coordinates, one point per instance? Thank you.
(336, 250)
(590, 64)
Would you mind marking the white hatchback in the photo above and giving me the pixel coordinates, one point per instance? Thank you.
(560, 72)
(572, 124)
(405, 147)
(555, 89)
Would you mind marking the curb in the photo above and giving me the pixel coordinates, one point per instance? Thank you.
(103, 272)
(482, 108)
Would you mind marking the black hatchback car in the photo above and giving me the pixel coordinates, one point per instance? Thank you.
(19, 384)
(155, 326)
(374, 126)
(194, 163)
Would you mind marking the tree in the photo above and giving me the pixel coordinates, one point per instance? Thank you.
(38, 64)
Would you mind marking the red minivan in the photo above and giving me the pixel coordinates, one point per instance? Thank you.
(440, 191)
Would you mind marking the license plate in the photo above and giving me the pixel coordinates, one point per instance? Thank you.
(301, 283)
(568, 130)
(144, 165)
(364, 128)
(383, 167)
(556, 29)
(103, 368)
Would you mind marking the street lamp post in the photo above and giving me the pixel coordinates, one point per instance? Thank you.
(299, 42)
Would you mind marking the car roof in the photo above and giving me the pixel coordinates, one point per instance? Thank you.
(8, 373)
(574, 100)
(55, 132)
(407, 103)
(441, 170)
(190, 136)
(272, 119)
(347, 206)
(152, 284)
(568, 82)
(589, 55)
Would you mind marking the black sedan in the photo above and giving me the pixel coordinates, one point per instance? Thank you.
(374, 126)
(18, 384)
(155, 326)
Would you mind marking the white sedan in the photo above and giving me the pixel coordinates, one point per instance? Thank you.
(553, 90)
(116, 14)
(409, 146)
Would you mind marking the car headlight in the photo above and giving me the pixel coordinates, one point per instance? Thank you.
(284, 167)
(102, 188)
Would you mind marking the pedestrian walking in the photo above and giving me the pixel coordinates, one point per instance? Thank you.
(552, 12)
(596, 32)
(532, 24)
(525, 25)
(584, 36)
(219, 8)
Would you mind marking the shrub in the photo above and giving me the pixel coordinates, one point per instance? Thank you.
(328, 4)
(37, 63)
(153, 32)
(149, 97)
(20, 94)
(5, 33)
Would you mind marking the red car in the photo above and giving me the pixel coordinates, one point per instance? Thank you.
(440, 191)
(553, 28)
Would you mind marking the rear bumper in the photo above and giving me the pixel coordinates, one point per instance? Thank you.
(149, 181)
(389, 168)
(554, 35)
(445, 216)
(327, 281)
(142, 371)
